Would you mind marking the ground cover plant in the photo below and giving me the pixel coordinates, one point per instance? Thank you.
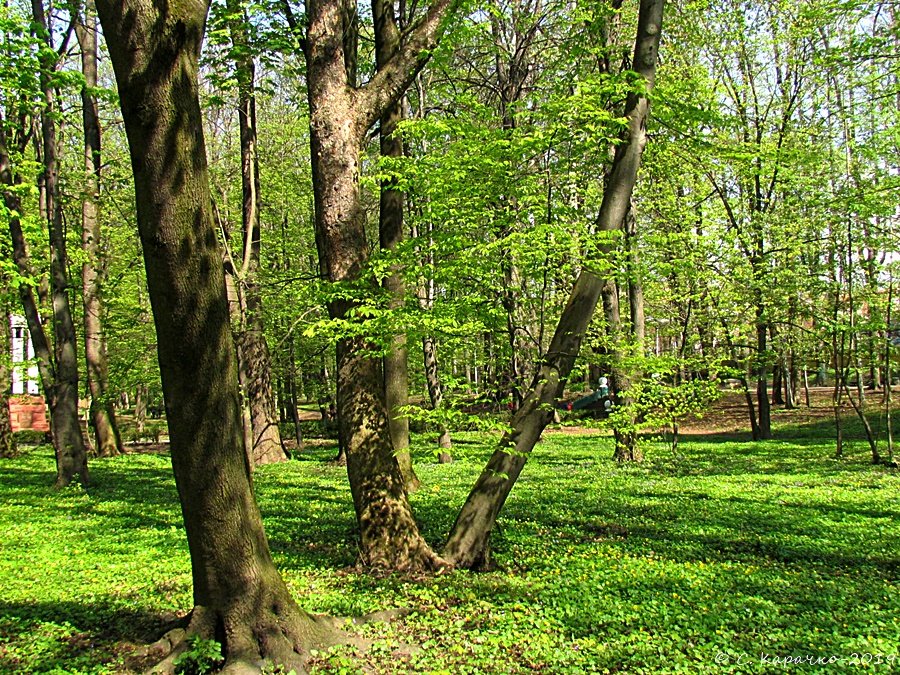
(719, 558)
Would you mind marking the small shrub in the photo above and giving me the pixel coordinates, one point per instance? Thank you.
(202, 657)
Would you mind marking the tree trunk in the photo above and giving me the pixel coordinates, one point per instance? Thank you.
(71, 455)
(253, 351)
(436, 394)
(340, 116)
(108, 441)
(777, 398)
(7, 440)
(468, 544)
(762, 387)
(140, 407)
(239, 596)
(390, 230)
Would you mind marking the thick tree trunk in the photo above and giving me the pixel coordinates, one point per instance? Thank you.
(108, 441)
(253, 351)
(239, 596)
(468, 544)
(340, 115)
(390, 230)
(65, 426)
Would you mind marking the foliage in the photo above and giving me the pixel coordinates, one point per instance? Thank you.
(202, 657)
(729, 548)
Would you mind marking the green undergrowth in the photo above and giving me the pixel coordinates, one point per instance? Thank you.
(720, 558)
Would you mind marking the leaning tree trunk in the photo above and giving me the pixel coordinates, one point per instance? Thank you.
(103, 420)
(468, 544)
(239, 596)
(253, 350)
(71, 455)
(390, 230)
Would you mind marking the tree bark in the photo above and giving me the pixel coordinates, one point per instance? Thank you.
(7, 440)
(71, 455)
(468, 544)
(390, 231)
(340, 116)
(436, 394)
(253, 350)
(239, 597)
(108, 441)
(762, 389)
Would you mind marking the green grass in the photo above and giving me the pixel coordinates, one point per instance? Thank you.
(725, 551)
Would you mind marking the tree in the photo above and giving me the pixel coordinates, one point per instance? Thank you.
(103, 420)
(252, 348)
(341, 114)
(58, 367)
(468, 544)
(391, 234)
(238, 592)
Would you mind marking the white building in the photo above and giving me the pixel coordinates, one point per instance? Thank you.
(24, 380)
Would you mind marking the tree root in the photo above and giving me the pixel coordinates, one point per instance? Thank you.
(272, 633)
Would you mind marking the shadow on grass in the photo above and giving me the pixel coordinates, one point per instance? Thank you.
(66, 634)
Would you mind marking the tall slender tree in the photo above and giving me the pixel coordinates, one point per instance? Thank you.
(103, 420)
(252, 347)
(391, 233)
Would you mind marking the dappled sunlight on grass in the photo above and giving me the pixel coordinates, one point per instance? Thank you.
(726, 547)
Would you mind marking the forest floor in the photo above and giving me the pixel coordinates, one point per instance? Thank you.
(721, 556)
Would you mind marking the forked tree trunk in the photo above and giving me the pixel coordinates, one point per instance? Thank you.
(107, 439)
(239, 597)
(340, 116)
(253, 351)
(468, 544)
(65, 426)
(390, 230)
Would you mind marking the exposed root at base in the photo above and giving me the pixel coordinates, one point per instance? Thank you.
(279, 635)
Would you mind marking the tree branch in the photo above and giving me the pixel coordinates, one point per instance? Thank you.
(388, 84)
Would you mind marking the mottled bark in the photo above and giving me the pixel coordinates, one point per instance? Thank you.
(71, 454)
(239, 597)
(468, 544)
(253, 351)
(108, 441)
(340, 116)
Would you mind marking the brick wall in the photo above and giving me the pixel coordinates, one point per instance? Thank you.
(28, 412)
